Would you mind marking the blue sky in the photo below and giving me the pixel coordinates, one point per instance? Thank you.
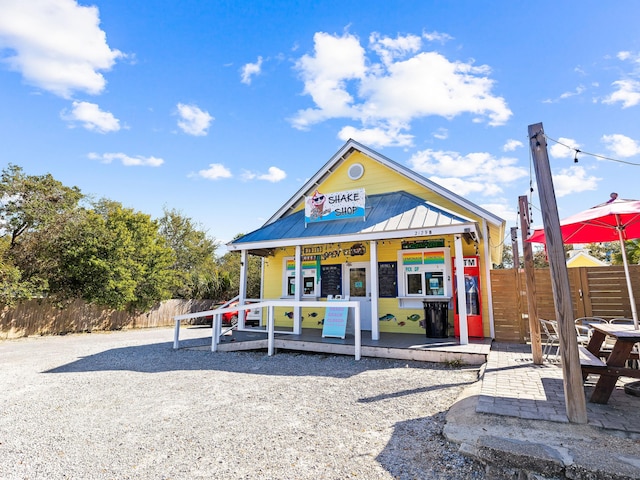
(223, 109)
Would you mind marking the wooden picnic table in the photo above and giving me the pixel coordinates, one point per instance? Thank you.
(613, 367)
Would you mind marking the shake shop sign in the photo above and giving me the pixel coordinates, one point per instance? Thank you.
(321, 207)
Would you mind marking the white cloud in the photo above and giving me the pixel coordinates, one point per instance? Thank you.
(377, 137)
(408, 84)
(127, 161)
(472, 173)
(250, 70)
(503, 210)
(193, 120)
(390, 49)
(274, 175)
(437, 37)
(56, 45)
(580, 89)
(621, 145)
(91, 117)
(512, 145)
(215, 172)
(565, 148)
(441, 134)
(573, 180)
(627, 93)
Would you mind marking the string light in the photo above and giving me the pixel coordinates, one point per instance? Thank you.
(576, 150)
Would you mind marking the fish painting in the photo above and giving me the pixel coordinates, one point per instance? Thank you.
(313, 315)
(288, 314)
(414, 318)
(387, 318)
(321, 322)
(402, 324)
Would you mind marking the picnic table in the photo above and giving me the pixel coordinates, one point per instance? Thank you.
(614, 366)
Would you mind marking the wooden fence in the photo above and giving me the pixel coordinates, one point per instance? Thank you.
(598, 291)
(39, 317)
(595, 291)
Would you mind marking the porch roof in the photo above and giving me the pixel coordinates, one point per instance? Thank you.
(386, 215)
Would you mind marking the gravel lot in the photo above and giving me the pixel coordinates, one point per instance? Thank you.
(125, 405)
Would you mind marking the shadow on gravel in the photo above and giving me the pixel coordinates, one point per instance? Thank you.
(161, 357)
(413, 391)
(417, 449)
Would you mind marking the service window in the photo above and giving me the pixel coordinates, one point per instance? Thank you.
(424, 273)
(309, 284)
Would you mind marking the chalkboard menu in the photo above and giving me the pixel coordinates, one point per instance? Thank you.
(388, 279)
(331, 278)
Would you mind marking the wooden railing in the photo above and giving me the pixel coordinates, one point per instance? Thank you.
(270, 331)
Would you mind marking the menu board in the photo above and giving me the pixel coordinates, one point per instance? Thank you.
(331, 278)
(335, 322)
(388, 279)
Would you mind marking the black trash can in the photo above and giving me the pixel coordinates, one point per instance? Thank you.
(436, 317)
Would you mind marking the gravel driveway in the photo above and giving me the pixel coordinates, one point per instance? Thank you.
(124, 405)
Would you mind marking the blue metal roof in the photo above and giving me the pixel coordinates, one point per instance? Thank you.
(405, 208)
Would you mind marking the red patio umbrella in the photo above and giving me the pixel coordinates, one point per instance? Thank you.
(614, 220)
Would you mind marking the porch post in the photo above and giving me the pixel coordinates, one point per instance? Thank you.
(487, 275)
(297, 317)
(373, 259)
(243, 287)
(461, 292)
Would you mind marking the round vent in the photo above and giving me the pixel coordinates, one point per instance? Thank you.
(356, 171)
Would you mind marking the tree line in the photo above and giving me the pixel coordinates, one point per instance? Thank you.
(60, 244)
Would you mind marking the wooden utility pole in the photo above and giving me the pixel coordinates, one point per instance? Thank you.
(575, 402)
(514, 248)
(527, 252)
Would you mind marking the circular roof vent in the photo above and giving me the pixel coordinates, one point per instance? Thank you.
(355, 171)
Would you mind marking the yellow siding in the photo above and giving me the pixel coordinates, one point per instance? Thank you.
(403, 321)
(377, 179)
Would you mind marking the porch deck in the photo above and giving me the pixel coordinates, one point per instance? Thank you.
(390, 345)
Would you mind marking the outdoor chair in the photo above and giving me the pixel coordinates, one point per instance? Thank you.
(584, 330)
(550, 330)
(631, 363)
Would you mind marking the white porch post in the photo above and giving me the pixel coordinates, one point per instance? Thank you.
(461, 294)
(243, 287)
(297, 317)
(487, 274)
(373, 258)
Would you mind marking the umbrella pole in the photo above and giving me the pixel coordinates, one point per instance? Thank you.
(625, 262)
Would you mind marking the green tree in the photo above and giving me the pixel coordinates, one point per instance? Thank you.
(112, 256)
(195, 268)
(229, 264)
(29, 202)
(632, 249)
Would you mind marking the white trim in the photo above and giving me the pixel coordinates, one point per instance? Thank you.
(357, 237)
(487, 275)
(460, 290)
(375, 290)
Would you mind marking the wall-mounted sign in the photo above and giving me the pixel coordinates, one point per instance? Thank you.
(434, 243)
(423, 258)
(321, 207)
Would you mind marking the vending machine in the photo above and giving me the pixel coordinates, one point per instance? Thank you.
(472, 295)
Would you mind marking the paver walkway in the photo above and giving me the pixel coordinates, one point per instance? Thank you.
(513, 386)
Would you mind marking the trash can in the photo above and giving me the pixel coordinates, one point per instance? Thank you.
(436, 318)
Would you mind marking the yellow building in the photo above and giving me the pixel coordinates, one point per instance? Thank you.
(371, 230)
(580, 258)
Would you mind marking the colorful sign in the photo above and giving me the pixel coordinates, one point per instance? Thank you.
(322, 207)
(412, 258)
(433, 258)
